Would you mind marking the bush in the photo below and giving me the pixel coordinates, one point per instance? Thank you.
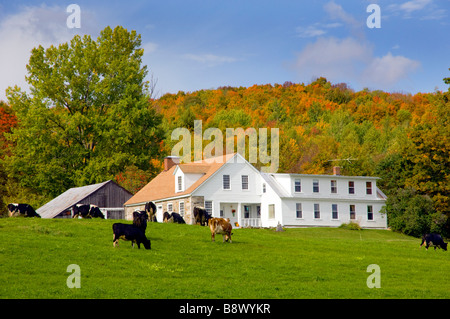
(350, 226)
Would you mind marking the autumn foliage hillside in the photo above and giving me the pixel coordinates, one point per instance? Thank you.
(402, 138)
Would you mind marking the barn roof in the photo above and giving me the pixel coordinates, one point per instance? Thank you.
(67, 199)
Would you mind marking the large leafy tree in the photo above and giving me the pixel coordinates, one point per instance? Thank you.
(87, 116)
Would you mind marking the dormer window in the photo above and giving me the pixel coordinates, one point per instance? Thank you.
(180, 183)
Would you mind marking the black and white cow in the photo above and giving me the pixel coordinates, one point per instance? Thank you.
(150, 208)
(87, 211)
(22, 210)
(131, 233)
(433, 240)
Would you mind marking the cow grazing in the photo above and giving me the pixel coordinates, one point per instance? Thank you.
(87, 211)
(201, 216)
(433, 240)
(140, 220)
(150, 208)
(173, 218)
(166, 217)
(220, 226)
(131, 233)
(22, 210)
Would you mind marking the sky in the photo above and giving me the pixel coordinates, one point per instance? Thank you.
(204, 44)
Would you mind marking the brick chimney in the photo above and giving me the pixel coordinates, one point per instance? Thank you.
(170, 161)
(336, 170)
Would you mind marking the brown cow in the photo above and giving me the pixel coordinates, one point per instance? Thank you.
(220, 226)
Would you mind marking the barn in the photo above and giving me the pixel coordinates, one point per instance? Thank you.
(108, 196)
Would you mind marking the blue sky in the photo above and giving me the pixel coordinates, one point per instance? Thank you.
(193, 45)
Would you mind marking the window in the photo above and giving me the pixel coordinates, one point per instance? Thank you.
(316, 211)
(264, 187)
(271, 211)
(182, 208)
(247, 211)
(369, 212)
(369, 188)
(244, 181)
(298, 210)
(180, 183)
(170, 207)
(334, 211)
(351, 187)
(352, 212)
(209, 207)
(315, 186)
(333, 187)
(226, 182)
(297, 186)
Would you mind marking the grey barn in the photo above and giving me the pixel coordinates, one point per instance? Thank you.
(108, 196)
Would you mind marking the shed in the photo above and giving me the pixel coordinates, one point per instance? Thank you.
(108, 196)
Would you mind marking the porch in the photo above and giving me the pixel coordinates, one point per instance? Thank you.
(241, 214)
(250, 222)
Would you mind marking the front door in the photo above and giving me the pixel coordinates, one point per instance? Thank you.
(229, 210)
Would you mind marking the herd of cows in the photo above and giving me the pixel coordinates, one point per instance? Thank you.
(135, 232)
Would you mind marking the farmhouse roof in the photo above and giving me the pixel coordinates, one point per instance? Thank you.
(163, 185)
(67, 199)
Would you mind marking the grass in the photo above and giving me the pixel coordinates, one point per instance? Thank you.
(184, 263)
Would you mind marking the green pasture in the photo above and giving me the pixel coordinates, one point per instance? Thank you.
(184, 263)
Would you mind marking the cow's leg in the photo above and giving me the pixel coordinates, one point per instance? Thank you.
(213, 235)
(223, 238)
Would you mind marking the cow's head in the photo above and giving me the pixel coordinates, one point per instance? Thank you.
(444, 246)
(147, 243)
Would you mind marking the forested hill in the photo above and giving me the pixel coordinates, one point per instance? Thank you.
(402, 138)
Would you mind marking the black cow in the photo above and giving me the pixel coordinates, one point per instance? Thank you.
(433, 240)
(173, 218)
(150, 208)
(87, 211)
(201, 216)
(140, 220)
(22, 210)
(130, 232)
(166, 217)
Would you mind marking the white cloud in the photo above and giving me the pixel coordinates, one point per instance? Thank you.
(349, 60)
(414, 5)
(333, 58)
(389, 69)
(315, 30)
(149, 47)
(425, 9)
(336, 12)
(209, 60)
(29, 28)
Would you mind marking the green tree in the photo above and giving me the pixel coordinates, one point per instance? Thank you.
(87, 116)
(410, 213)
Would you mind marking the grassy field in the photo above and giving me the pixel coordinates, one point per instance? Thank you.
(184, 263)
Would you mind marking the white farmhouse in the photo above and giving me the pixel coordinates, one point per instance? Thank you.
(231, 187)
